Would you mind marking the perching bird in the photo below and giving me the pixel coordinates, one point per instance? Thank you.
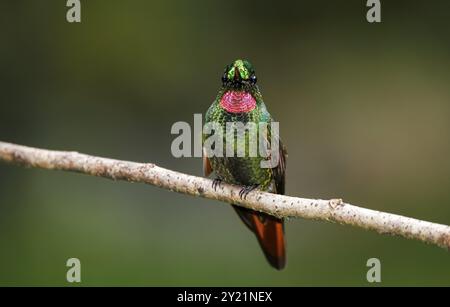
(239, 100)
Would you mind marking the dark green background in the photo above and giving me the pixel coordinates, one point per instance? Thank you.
(364, 111)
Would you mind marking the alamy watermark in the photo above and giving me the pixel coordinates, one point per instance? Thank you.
(230, 139)
(74, 12)
(374, 12)
(374, 273)
(74, 272)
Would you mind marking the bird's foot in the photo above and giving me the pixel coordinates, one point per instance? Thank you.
(216, 183)
(247, 189)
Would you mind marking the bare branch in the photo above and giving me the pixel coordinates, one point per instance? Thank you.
(334, 210)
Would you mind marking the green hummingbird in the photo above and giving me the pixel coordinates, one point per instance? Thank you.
(239, 100)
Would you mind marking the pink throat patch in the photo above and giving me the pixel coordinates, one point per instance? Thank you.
(237, 102)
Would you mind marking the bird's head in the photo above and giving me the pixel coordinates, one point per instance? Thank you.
(240, 92)
(240, 75)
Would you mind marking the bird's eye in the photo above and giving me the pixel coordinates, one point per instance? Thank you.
(253, 79)
(224, 77)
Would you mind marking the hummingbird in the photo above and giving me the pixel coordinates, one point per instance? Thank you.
(240, 100)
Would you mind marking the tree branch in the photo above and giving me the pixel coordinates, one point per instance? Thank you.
(334, 210)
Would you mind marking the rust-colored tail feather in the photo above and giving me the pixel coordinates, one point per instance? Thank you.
(270, 233)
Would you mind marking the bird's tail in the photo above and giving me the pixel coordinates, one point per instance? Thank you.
(270, 233)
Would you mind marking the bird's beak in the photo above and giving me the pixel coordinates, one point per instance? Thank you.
(237, 75)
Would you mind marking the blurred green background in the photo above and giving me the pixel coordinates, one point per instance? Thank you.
(364, 111)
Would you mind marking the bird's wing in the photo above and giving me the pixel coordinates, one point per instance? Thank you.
(279, 172)
(207, 169)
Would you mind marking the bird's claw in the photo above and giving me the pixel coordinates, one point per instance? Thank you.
(245, 190)
(216, 183)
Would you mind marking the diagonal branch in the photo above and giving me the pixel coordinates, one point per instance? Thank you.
(334, 210)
